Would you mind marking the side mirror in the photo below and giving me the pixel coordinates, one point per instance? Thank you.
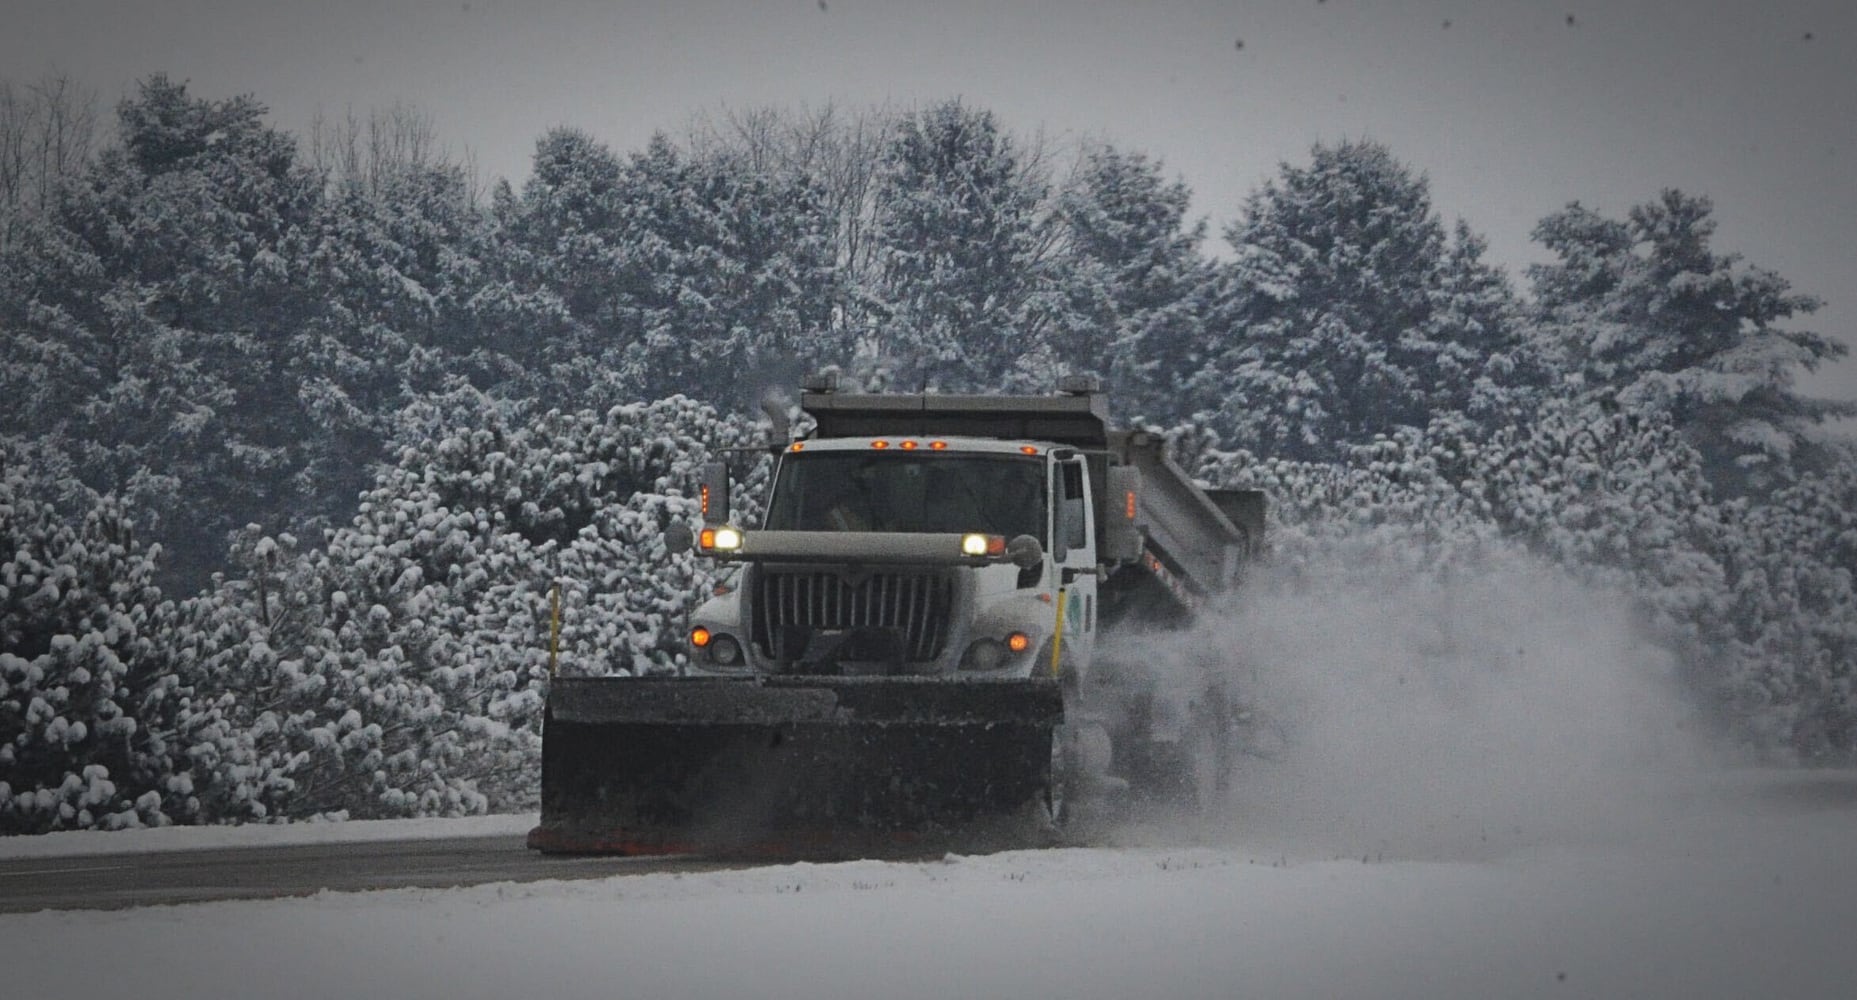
(714, 496)
(678, 539)
(1025, 552)
(1121, 524)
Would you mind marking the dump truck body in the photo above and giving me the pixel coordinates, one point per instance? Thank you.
(908, 650)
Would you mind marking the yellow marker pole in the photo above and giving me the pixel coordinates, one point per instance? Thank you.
(554, 628)
(1057, 637)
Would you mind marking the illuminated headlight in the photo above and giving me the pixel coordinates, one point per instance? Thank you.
(980, 546)
(723, 539)
(984, 654)
(725, 651)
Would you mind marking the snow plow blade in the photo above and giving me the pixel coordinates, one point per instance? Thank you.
(791, 766)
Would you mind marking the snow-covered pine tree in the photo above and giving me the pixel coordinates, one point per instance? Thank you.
(729, 275)
(402, 263)
(399, 670)
(1644, 312)
(563, 254)
(838, 151)
(963, 247)
(79, 620)
(678, 274)
(1346, 311)
(1135, 280)
(166, 305)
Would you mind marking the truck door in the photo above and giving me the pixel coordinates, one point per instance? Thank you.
(1074, 546)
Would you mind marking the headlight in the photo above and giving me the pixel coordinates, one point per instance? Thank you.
(725, 651)
(723, 539)
(980, 546)
(984, 654)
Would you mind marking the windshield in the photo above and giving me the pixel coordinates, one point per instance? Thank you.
(909, 492)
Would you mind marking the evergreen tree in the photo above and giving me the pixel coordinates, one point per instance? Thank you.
(79, 622)
(1347, 312)
(963, 253)
(1645, 313)
(408, 271)
(1135, 277)
(728, 272)
(167, 310)
(678, 274)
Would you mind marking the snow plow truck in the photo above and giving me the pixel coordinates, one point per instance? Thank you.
(934, 635)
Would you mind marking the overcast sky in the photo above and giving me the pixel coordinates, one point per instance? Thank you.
(1512, 107)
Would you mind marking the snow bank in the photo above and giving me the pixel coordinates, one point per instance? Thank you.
(187, 838)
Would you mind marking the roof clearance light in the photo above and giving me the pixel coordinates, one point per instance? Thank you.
(699, 637)
(1028, 449)
(938, 446)
(973, 545)
(799, 446)
(909, 446)
(727, 539)
(880, 444)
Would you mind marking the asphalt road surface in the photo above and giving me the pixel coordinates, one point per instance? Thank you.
(115, 881)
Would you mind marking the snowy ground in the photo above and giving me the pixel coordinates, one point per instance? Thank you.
(1735, 887)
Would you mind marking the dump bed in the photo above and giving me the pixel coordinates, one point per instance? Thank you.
(1201, 542)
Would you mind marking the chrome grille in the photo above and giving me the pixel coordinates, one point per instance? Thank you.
(916, 605)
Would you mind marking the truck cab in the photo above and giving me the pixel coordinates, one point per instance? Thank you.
(908, 554)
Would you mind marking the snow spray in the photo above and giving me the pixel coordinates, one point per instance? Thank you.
(1461, 708)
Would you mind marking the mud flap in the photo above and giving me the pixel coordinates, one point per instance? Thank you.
(788, 766)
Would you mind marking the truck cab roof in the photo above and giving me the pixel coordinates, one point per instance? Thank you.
(931, 445)
(1076, 419)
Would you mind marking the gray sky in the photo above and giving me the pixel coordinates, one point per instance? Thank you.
(1511, 110)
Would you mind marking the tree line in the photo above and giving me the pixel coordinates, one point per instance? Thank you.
(365, 408)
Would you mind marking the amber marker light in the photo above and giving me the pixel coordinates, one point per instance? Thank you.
(1129, 505)
(1028, 449)
(699, 637)
(880, 444)
(909, 446)
(1018, 642)
(707, 539)
(938, 446)
(799, 446)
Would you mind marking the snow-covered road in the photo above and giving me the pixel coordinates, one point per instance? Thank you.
(1746, 891)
